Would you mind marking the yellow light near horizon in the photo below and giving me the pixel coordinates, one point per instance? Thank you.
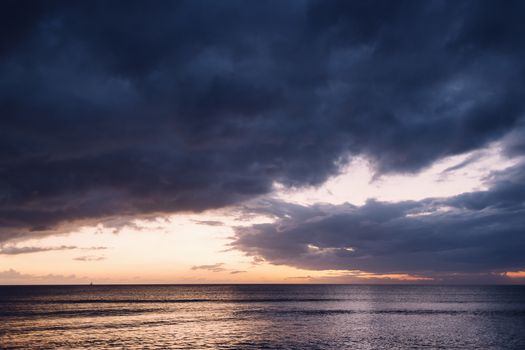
(164, 250)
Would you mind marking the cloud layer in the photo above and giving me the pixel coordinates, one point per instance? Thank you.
(123, 109)
(470, 233)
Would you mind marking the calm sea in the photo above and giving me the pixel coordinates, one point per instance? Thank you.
(262, 317)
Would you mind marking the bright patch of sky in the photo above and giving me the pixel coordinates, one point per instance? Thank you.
(448, 177)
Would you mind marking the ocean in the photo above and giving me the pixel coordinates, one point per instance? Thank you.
(262, 317)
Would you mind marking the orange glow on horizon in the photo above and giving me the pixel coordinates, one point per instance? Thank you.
(515, 274)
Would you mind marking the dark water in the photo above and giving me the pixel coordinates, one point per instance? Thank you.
(262, 317)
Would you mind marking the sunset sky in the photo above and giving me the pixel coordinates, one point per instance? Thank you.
(262, 142)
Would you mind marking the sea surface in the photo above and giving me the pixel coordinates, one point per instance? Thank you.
(262, 317)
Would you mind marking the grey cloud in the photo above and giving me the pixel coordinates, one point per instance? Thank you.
(90, 258)
(14, 277)
(124, 108)
(470, 234)
(209, 222)
(471, 159)
(13, 250)
(213, 268)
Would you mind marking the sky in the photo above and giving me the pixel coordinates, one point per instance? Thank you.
(262, 142)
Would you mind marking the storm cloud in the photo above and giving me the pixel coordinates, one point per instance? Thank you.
(472, 233)
(127, 108)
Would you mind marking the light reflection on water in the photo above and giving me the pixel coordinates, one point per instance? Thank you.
(262, 316)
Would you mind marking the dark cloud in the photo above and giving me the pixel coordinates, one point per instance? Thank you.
(213, 268)
(469, 160)
(478, 233)
(235, 272)
(13, 250)
(122, 108)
